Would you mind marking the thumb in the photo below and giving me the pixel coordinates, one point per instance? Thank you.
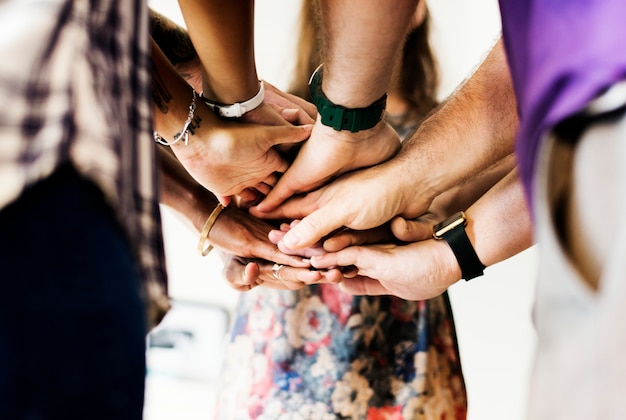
(410, 230)
(312, 228)
(288, 134)
(362, 285)
(224, 200)
(283, 189)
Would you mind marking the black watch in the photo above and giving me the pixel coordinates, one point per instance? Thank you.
(342, 118)
(452, 230)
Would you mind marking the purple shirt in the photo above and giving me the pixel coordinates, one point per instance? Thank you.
(562, 53)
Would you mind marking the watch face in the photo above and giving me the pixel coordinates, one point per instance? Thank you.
(457, 219)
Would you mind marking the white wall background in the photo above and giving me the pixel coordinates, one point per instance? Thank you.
(492, 313)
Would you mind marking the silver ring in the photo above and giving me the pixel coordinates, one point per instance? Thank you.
(276, 271)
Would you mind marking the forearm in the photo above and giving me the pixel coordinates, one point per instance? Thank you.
(175, 43)
(500, 225)
(361, 38)
(172, 97)
(181, 193)
(466, 194)
(472, 131)
(223, 34)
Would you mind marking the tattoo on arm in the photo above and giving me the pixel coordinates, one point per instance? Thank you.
(172, 39)
(160, 95)
(195, 124)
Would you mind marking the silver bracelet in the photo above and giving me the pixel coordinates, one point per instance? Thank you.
(237, 109)
(184, 133)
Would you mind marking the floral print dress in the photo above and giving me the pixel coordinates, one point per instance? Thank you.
(320, 353)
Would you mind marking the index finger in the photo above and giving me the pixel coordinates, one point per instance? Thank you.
(313, 228)
(295, 208)
(286, 186)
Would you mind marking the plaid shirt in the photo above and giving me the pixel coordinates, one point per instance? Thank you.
(75, 87)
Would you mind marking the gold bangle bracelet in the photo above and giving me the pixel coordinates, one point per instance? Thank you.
(204, 235)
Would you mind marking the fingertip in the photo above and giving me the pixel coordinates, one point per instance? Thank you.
(312, 276)
(321, 262)
(251, 271)
(292, 239)
(275, 236)
(400, 228)
(224, 200)
(260, 208)
(290, 114)
(268, 204)
(398, 224)
(333, 245)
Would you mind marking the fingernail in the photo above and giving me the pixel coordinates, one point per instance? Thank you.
(315, 259)
(291, 239)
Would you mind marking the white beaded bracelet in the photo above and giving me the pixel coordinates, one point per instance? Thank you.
(184, 133)
(237, 109)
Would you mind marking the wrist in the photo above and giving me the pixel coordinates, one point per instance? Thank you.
(237, 109)
(204, 245)
(449, 269)
(346, 135)
(182, 135)
(452, 230)
(341, 117)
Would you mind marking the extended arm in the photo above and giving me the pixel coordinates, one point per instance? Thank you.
(174, 42)
(361, 40)
(471, 132)
(224, 156)
(223, 33)
(499, 227)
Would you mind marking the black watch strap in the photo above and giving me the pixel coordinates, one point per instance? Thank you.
(452, 230)
(464, 252)
(340, 117)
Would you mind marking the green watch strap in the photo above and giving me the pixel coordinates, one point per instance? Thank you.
(464, 252)
(340, 117)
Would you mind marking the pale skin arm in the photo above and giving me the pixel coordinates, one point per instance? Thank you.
(499, 227)
(358, 63)
(404, 230)
(480, 117)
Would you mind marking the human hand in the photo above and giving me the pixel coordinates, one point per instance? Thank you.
(335, 242)
(420, 228)
(291, 107)
(276, 237)
(279, 108)
(359, 200)
(226, 157)
(244, 274)
(329, 153)
(239, 233)
(417, 271)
